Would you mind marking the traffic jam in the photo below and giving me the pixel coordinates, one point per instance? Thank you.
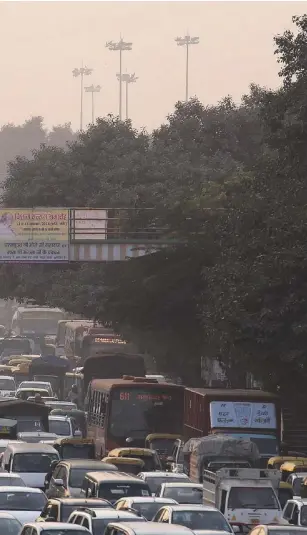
(93, 440)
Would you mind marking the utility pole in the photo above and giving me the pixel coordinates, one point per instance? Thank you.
(127, 79)
(83, 71)
(93, 89)
(186, 41)
(120, 46)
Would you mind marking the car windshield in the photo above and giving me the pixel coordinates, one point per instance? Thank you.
(155, 482)
(208, 520)
(266, 444)
(164, 445)
(184, 494)
(252, 498)
(7, 384)
(77, 475)
(9, 526)
(34, 384)
(29, 425)
(304, 515)
(147, 509)
(63, 532)
(100, 524)
(114, 491)
(22, 501)
(286, 531)
(59, 427)
(66, 509)
(33, 462)
(77, 451)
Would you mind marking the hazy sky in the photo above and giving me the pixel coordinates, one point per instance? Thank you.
(41, 42)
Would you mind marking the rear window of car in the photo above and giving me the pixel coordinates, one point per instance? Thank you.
(113, 491)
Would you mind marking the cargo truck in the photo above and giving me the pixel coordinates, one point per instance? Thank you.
(245, 496)
(250, 414)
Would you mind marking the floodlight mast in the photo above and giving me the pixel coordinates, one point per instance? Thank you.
(120, 46)
(186, 41)
(127, 79)
(93, 89)
(83, 71)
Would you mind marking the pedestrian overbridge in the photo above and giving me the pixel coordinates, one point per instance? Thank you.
(63, 235)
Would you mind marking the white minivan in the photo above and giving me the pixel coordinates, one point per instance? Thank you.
(30, 461)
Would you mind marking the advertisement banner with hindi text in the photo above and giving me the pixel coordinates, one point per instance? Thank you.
(34, 235)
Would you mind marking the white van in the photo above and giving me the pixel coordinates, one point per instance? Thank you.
(30, 461)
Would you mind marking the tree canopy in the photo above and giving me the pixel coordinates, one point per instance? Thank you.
(230, 182)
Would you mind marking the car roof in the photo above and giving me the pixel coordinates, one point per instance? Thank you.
(110, 513)
(115, 475)
(279, 527)
(192, 507)
(79, 501)
(42, 526)
(83, 463)
(182, 484)
(16, 488)
(150, 499)
(61, 417)
(9, 474)
(152, 528)
(7, 377)
(24, 447)
(164, 474)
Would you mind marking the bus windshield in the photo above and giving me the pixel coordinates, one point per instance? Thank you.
(47, 325)
(138, 412)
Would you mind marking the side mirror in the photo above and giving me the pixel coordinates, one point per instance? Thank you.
(59, 482)
(236, 529)
(6, 467)
(77, 433)
(129, 440)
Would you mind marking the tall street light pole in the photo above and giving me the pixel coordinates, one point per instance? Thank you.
(93, 89)
(83, 71)
(120, 46)
(186, 41)
(127, 79)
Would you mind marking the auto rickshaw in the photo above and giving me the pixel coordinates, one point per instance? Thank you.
(285, 493)
(75, 448)
(163, 444)
(276, 462)
(150, 457)
(78, 415)
(130, 465)
(289, 468)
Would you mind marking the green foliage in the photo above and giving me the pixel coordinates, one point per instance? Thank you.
(229, 181)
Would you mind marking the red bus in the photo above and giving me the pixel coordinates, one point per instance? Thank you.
(132, 408)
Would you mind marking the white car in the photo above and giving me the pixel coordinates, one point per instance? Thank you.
(63, 426)
(188, 493)
(146, 506)
(4, 442)
(24, 503)
(195, 517)
(9, 524)
(7, 386)
(37, 384)
(56, 528)
(145, 528)
(96, 520)
(155, 479)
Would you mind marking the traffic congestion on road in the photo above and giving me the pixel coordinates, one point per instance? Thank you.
(94, 440)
